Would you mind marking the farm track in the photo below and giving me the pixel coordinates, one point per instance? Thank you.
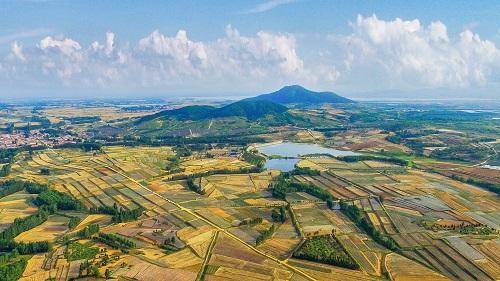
(208, 255)
(229, 234)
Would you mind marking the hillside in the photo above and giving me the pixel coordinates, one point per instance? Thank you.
(248, 109)
(299, 94)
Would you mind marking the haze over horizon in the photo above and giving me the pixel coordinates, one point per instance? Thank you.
(71, 49)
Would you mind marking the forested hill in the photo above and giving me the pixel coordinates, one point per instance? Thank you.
(248, 109)
(299, 94)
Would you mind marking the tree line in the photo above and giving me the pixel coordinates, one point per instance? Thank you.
(265, 235)
(354, 213)
(285, 185)
(118, 214)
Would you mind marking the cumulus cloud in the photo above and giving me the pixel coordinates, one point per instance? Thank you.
(159, 60)
(377, 55)
(407, 54)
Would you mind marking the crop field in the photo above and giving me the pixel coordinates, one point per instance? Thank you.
(197, 166)
(377, 215)
(230, 260)
(312, 219)
(283, 242)
(183, 234)
(462, 171)
(491, 263)
(231, 185)
(105, 113)
(450, 263)
(328, 272)
(95, 180)
(369, 141)
(403, 269)
(364, 251)
(338, 188)
(15, 206)
(140, 162)
(54, 227)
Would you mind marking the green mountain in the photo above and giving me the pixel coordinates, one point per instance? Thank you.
(192, 112)
(250, 110)
(299, 94)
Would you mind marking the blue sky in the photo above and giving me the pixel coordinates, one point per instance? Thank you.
(358, 48)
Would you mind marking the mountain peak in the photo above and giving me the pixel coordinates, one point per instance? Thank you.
(293, 87)
(299, 94)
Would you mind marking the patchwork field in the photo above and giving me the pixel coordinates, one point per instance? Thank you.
(15, 206)
(50, 230)
(445, 229)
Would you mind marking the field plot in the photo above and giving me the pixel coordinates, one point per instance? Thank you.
(54, 227)
(312, 220)
(371, 141)
(140, 162)
(106, 113)
(450, 263)
(432, 218)
(336, 187)
(328, 272)
(196, 166)
(476, 173)
(283, 242)
(366, 253)
(224, 185)
(491, 250)
(96, 180)
(51, 267)
(15, 206)
(376, 214)
(403, 269)
(232, 261)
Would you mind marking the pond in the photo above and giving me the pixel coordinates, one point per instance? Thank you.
(284, 165)
(290, 149)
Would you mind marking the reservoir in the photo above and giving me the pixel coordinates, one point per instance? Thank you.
(284, 165)
(292, 152)
(295, 150)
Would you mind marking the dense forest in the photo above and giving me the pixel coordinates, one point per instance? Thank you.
(325, 249)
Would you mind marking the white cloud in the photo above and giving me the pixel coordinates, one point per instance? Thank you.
(269, 5)
(8, 38)
(17, 51)
(401, 54)
(377, 55)
(164, 62)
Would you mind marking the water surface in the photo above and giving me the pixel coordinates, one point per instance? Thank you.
(284, 165)
(294, 150)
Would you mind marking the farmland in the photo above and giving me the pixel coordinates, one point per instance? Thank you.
(195, 208)
(210, 233)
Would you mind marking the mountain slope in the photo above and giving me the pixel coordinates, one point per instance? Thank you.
(248, 109)
(299, 94)
(192, 112)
